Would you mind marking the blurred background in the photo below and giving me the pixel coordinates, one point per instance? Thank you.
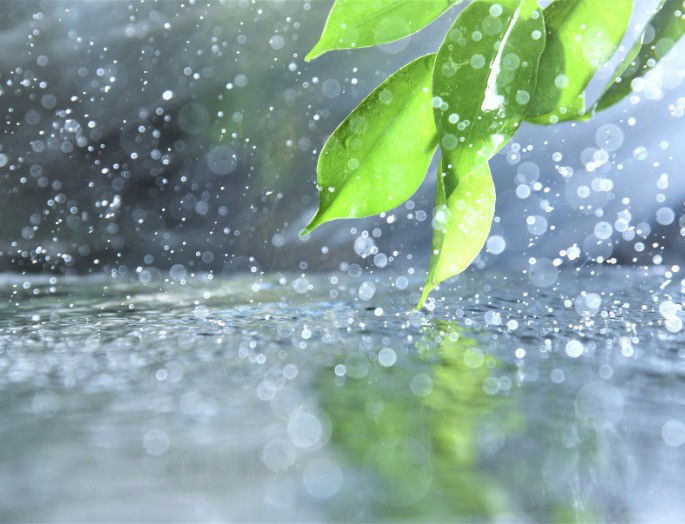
(154, 141)
(171, 138)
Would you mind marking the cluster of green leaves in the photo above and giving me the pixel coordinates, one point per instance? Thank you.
(501, 63)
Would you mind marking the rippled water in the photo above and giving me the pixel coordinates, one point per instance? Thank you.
(287, 398)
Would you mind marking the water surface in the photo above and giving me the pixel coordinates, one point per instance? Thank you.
(289, 398)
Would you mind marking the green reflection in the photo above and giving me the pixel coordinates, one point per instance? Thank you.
(432, 439)
(419, 429)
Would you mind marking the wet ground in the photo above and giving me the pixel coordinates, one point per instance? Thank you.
(327, 398)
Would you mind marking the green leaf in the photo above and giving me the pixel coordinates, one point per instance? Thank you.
(484, 78)
(581, 36)
(614, 91)
(366, 23)
(464, 209)
(378, 157)
(667, 27)
(574, 110)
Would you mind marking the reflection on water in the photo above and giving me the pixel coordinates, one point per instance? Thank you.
(428, 436)
(247, 399)
(418, 428)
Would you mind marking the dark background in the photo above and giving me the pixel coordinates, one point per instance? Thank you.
(185, 135)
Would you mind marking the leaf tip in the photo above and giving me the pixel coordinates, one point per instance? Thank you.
(427, 288)
(313, 224)
(315, 52)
